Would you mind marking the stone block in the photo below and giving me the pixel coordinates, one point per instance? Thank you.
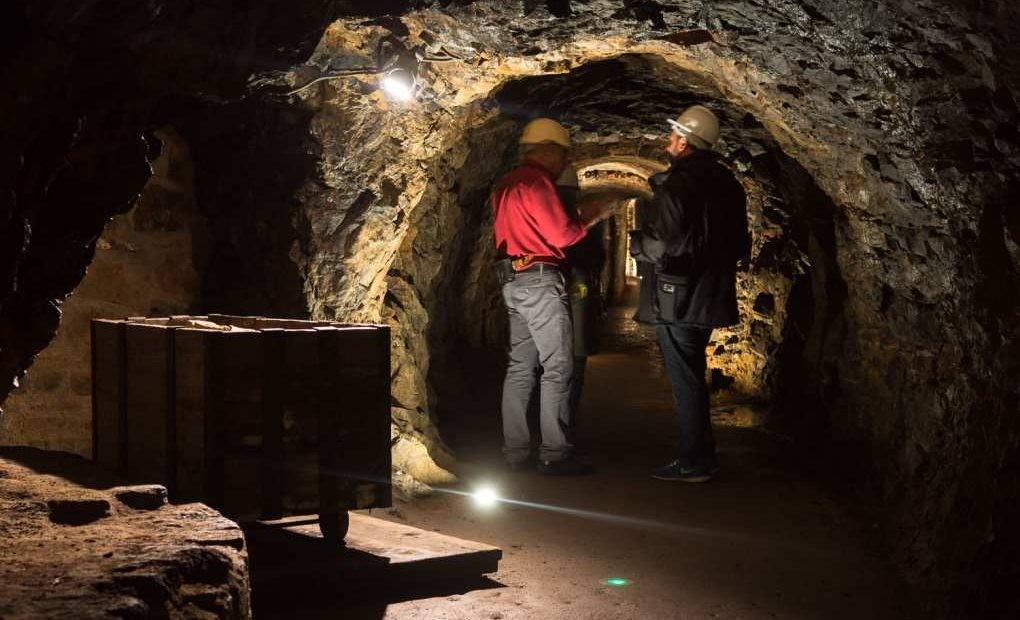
(75, 546)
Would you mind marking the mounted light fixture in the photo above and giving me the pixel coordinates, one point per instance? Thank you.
(399, 67)
(400, 84)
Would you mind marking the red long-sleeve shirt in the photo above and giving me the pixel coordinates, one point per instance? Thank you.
(530, 219)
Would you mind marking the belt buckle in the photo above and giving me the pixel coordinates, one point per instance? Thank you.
(522, 263)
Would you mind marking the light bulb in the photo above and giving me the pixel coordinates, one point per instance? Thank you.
(399, 85)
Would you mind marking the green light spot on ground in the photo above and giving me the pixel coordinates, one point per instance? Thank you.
(617, 581)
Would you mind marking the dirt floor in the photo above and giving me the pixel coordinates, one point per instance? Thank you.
(765, 540)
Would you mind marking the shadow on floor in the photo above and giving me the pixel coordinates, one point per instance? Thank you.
(69, 466)
(299, 576)
(313, 601)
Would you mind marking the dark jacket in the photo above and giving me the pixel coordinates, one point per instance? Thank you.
(693, 233)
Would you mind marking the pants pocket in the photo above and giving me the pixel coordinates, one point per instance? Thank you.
(672, 296)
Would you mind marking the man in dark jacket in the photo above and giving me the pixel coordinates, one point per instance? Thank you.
(693, 234)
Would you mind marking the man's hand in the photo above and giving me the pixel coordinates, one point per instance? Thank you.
(594, 210)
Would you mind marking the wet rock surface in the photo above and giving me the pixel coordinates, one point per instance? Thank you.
(878, 142)
(73, 547)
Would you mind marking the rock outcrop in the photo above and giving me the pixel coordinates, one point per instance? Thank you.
(147, 262)
(74, 547)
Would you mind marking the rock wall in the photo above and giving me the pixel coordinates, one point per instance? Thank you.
(147, 263)
(440, 291)
(76, 546)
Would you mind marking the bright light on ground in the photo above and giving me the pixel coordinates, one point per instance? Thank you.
(617, 582)
(398, 87)
(485, 497)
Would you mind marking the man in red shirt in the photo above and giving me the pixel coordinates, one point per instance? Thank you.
(533, 228)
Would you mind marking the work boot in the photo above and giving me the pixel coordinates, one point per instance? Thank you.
(675, 473)
(570, 466)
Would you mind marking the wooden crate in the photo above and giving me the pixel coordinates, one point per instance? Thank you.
(260, 418)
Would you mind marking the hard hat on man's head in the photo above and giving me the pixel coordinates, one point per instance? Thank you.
(545, 130)
(699, 125)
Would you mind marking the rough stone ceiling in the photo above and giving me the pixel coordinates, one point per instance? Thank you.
(623, 98)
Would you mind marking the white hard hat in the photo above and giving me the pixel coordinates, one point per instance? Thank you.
(699, 125)
(568, 178)
(547, 130)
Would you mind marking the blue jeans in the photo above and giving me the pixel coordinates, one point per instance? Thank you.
(683, 351)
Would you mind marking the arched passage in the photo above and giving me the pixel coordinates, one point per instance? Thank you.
(616, 110)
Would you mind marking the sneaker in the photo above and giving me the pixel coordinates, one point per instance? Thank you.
(569, 466)
(673, 472)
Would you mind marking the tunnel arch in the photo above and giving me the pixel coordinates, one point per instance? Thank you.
(619, 166)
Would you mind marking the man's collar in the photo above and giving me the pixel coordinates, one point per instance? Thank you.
(660, 177)
(693, 156)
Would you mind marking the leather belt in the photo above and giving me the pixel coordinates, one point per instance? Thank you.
(540, 267)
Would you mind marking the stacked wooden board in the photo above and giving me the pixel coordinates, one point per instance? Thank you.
(260, 418)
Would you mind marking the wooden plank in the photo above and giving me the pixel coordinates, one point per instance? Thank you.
(141, 320)
(301, 435)
(234, 418)
(214, 428)
(189, 380)
(122, 382)
(247, 322)
(241, 495)
(416, 549)
(146, 356)
(261, 322)
(106, 394)
(273, 394)
(170, 395)
(378, 434)
(364, 380)
(377, 551)
(335, 486)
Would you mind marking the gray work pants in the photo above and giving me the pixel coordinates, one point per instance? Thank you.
(540, 336)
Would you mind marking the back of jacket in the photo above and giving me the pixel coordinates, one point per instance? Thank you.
(695, 225)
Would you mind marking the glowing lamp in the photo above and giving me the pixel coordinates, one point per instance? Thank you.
(485, 497)
(399, 84)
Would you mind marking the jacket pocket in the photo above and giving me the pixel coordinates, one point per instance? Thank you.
(672, 296)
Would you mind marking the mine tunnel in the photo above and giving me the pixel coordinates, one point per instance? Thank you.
(254, 344)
